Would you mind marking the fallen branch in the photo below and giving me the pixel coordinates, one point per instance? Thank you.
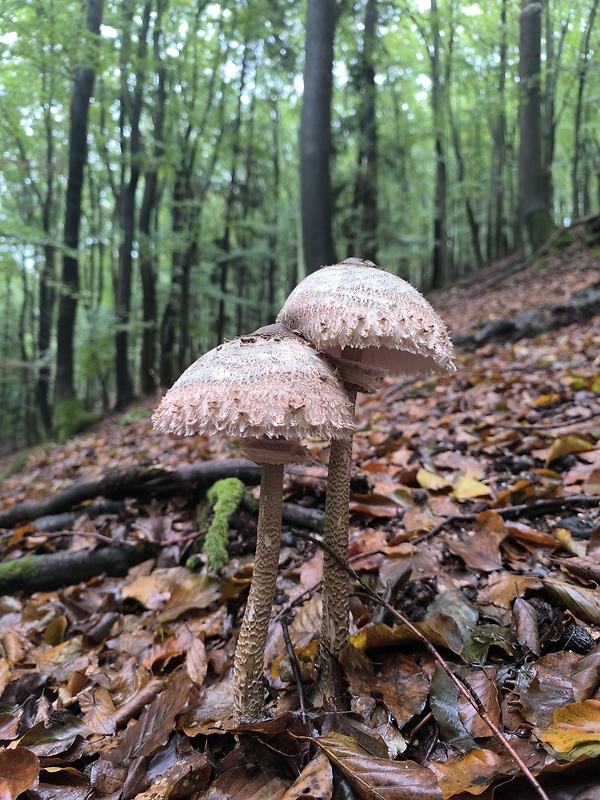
(136, 482)
(538, 507)
(48, 571)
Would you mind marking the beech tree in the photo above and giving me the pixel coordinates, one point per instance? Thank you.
(83, 84)
(534, 178)
(315, 135)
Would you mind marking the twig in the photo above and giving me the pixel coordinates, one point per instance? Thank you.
(294, 664)
(533, 509)
(470, 696)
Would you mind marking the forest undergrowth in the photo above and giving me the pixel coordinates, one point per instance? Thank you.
(474, 514)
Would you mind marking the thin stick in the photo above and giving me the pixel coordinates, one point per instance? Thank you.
(470, 696)
(294, 664)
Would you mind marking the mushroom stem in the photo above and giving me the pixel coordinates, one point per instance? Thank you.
(335, 588)
(250, 652)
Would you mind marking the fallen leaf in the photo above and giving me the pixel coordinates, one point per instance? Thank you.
(379, 778)
(19, 770)
(466, 488)
(573, 732)
(565, 445)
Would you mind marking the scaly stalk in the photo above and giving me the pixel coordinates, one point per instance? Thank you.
(250, 652)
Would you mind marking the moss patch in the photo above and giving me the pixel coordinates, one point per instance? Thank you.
(72, 418)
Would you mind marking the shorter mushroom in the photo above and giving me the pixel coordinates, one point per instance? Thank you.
(270, 389)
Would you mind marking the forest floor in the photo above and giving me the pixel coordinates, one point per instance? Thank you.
(475, 514)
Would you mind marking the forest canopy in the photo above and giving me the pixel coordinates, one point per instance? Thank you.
(153, 162)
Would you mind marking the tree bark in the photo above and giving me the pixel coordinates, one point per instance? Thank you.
(315, 136)
(69, 288)
(148, 382)
(362, 236)
(441, 255)
(131, 109)
(536, 218)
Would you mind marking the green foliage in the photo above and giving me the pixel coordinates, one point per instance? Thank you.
(72, 418)
(225, 496)
(135, 415)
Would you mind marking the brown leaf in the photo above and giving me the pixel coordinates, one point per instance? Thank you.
(526, 621)
(471, 774)
(315, 782)
(155, 724)
(379, 778)
(583, 603)
(19, 770)
(564, 445)
(246, 783)
(484, 682)
(373, 505)
(403, 686)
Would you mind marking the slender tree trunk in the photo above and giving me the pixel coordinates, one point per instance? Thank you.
(441, 256)
(315, 136)
(578, 206)
(363, 234)
(232, 192)
(147, 213)
(536, 218)
(497, 244)
(132, 109)
(67, 309)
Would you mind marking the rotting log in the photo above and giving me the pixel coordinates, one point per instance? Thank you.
(137, 482)
(34, 573)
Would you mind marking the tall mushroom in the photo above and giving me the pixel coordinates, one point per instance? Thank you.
(368, 320)
(271, 389)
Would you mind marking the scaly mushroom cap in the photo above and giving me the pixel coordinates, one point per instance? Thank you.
(357, 310)
(268, 384)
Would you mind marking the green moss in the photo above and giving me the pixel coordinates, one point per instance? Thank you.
(135, 415)
(564, 239)
(225, 496)
(72, 418)
(15, 570)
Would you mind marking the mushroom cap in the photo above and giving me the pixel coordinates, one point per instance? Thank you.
(268, 384)
(356, 310)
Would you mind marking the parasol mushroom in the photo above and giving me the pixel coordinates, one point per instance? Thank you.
(271, 389)
(371, 323)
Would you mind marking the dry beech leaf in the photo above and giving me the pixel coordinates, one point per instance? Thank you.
(315, 782)
(473, 773)
(19, 770)
(526, 620)
(246, 783)
(480, 551)
(379, 778)
(573, 732)
(467, 488)
(484, 682)
(432, 481)
(583, 603)
(565, 445)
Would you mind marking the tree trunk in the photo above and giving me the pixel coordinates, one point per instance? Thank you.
(497, 244)
(536, 218)
(67, 308)
(315, 136)
(147, 212)
(578, 204)
(363, 235)
(441, 256)
(131, 109)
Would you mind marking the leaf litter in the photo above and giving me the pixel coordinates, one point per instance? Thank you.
(474, 514)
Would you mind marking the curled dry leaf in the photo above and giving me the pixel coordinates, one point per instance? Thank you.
(19, 771)
(583, 603)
